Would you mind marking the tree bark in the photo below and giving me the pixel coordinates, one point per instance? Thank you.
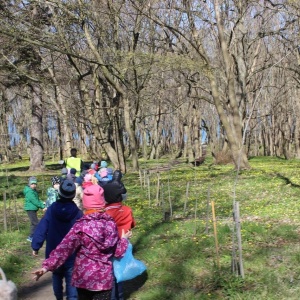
(5, 149)
(130, 128)
(36, 131)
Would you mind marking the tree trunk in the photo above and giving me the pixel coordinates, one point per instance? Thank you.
(196, 132)
(5, 149)
(130, 128)
(116, 155)
(60, 142)
(60, 105)
(233, 124)
(188, 143)
(36, 131)
(155, 139)
(233, 131)
(144, 140)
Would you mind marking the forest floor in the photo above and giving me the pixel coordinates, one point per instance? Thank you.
(42, 289)
(36, 290)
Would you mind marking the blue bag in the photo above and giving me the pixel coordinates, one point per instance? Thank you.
(127, 267)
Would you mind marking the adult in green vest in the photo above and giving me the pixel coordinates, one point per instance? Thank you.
(74, 162)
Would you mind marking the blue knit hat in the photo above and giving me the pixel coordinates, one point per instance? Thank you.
(103, 164)
(73, 171)
(67, 189)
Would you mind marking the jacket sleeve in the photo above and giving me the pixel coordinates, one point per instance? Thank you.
(51, 196)
(34, 199)
(133, 223)
(59, 255)
(97, 176)
(122, 245)
(40, 232)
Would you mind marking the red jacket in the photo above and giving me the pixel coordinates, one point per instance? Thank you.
(122, 215)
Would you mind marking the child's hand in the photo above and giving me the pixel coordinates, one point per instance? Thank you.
(39, 273)
(126, 235)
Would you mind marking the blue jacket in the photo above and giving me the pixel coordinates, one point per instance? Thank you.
(101, 180)
(52, 196)
(56, 223)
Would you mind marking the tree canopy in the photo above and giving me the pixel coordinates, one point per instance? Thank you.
(123, 79)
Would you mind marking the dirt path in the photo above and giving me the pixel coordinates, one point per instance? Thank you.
(42, 289)
(36, 290)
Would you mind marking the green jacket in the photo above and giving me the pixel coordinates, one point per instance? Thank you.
(32, 201)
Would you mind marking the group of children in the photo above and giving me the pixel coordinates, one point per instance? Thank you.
(83, 235)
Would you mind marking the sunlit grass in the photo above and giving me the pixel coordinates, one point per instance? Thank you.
(180, 252)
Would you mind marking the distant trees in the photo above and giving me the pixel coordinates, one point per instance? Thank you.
(130, 78)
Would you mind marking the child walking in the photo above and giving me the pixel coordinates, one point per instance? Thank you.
(52, 192)
(94, 238)
(57, 222)
(32, 204)
(122, 215)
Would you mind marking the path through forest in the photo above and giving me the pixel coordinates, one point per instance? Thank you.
(36, 290)
(42, 289)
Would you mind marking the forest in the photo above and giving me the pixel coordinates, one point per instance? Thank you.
(148, 79)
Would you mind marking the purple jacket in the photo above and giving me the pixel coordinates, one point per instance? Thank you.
(95, 238)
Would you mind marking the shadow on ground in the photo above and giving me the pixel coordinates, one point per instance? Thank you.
(287, 180)
(135, 284)
(37, 290)
(17, 169)
(42, 290)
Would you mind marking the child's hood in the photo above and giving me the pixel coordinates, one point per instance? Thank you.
(64, 211)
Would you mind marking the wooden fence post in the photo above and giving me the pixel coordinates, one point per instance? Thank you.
(157, 188)
(195, 216)
(207, 210)
(239, 238)
(186, 197)
(215, 232)
(170, 200)
(4, 213)
(144, 178)
(16, 211)
(149, 191)
(141, 178)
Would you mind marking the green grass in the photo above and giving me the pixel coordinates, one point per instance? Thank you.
(180, 253)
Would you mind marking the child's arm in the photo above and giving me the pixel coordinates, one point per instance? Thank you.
(34, 199)
(122, 244)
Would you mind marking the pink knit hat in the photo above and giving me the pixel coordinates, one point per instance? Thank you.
(87, 177)
(103, 172)
(93, 197)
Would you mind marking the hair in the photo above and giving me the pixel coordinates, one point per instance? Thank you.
(73, 151)
(94, 180)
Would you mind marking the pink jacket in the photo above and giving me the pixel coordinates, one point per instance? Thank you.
(95, 238)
